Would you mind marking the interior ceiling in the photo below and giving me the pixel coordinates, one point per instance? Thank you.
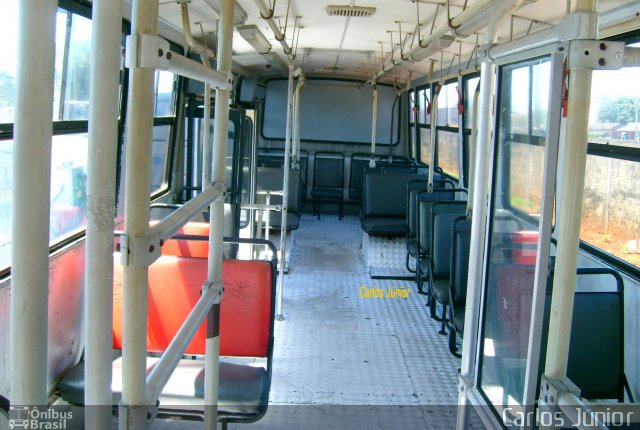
(353, 47)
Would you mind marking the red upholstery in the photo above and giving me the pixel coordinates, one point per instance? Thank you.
(189, 248)
(174, 288)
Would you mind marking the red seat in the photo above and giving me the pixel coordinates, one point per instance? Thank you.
(174, 288)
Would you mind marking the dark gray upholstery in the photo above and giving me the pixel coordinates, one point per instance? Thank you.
(271, 179)
(328, 180)
(359, 163)
(596, 349)
(443, 215)
(460, 244)
(384, 202)
(243, 390)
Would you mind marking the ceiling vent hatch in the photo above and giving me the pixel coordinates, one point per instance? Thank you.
(351, 11)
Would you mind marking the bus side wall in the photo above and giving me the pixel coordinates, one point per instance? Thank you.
(66, 337)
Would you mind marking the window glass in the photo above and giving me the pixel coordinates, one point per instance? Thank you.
(425, 145)
(449, 153)
(68, 189)
(160, 156)
(412, 106)
(68, 184)
(6, 185)
(8, 37)
(164, 94)
(469, 94)
(424, 96)
(611, 207)
(75, 103)
(448, 105)
(510, 271)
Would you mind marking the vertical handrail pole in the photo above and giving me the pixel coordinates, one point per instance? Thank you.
(30, 196)
(101, 179)
(216, 230)
(253, 186)
(432, 135)
(295, 152)
(139, 141)
(570, 214)
(482, 182)
(473, 148)
(206, 136)
(374, 119)
(285, 194)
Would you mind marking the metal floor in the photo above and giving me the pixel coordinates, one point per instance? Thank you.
(346, 362)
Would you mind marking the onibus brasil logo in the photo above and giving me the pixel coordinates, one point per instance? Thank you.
(34, 418)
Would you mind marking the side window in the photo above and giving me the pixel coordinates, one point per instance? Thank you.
(423, 100)
(611, 207)
(448, 143)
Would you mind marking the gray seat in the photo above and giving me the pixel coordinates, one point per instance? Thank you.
(443, 216)
(460, 244)
(424, 201)
(328, 180)
(359, 163)
(384, 202)
(270, 179)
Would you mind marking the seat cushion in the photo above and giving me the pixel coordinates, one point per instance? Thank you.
(243, 391)
(293, 221)
(326, 193)
(440, 290)
(389, 226)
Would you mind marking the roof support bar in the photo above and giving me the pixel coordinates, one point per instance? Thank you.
(30, 212)
(267, 15)
(101, 180)
(152, 51)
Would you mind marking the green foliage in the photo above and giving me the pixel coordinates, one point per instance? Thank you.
(621, 110)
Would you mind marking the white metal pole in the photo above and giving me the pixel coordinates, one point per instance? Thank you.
(295, 152)
(473, 149)
(573, 172)
(482, 178)
(30, 196)
(136, 223)
(285, 195)
(101, 189)
(432, 134)
(216, 230)
(374, 119)
(206, 132)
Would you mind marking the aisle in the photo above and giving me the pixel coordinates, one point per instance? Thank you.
(342, 360)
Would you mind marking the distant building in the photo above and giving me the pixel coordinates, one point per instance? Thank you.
(630, 131)
(604, 130)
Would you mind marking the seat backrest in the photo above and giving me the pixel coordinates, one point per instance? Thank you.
(443, 215)
(271, 179)
(460, 249)
(414, 188)
(596, 348)
(385, 194)
(328, 170)
(424, 202)
(189, 248)
(359, 162)
(175, 283)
